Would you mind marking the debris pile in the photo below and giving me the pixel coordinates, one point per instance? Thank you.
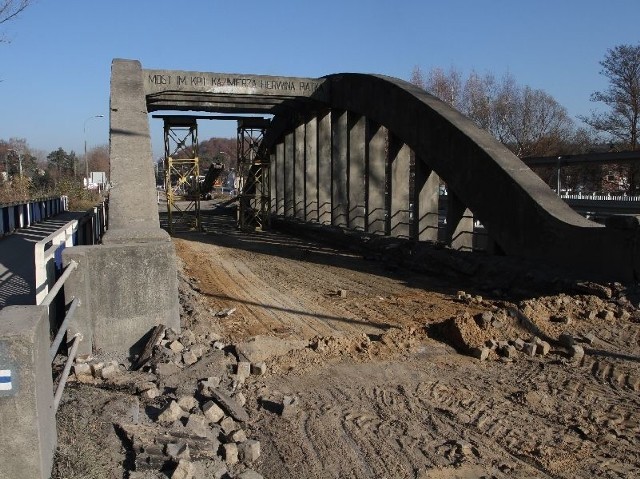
(190, 420)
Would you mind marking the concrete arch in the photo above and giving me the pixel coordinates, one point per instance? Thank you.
(374, 132)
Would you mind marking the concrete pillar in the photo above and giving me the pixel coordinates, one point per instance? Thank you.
(311, 177)
(289, 174)
(279, 179)
(459, 231)
(400, 156)
(299, 172)
(339, 170)
(357, 177)
(129, 284)
(324, 168)
(376, 187)
(427, 190)
(27, 418)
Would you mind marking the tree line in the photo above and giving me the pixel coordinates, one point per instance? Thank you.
(530, 122)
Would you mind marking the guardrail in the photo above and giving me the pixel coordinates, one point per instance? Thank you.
(600, 197)
(14, 216)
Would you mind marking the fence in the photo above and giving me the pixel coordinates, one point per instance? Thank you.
(22, 215)
(28, 402)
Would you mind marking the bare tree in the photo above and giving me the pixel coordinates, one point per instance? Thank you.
(10, 9)
(528, 121)
(621, 66)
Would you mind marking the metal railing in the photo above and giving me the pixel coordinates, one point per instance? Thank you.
(48, 256)
(14, 216)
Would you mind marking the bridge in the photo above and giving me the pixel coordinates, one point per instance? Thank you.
(364, 153)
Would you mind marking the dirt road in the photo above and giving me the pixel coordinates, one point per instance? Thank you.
(379, 397)
(384, 384)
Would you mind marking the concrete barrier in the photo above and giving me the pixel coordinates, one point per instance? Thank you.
(27, 417)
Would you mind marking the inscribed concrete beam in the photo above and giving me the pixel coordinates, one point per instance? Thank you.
(459, 231)
(427, 190)
(299, 172)
(27, 418)
(377, 169)
(339, 168)
(289, 174)
(357, 177)
(400, 156)
(324, 168)
(311, 176)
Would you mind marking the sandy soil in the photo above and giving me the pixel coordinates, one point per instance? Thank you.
(384, 390)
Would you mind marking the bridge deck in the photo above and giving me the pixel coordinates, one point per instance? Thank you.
(17, 268)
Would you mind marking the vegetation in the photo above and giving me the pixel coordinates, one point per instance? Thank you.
(25, 174)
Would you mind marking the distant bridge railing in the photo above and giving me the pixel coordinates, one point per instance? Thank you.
(18, 215)
(599, 197)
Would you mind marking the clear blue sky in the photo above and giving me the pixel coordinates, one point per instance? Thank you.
(55, 72)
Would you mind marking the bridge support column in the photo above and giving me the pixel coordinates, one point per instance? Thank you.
(400, 156)
(377, 169)
(279, 179)
(459, 224)
(27, 418)
(311, 178)
(324, 168)
(299, 172)
(357, 178)
(427, 189)
(289, 174)
(339, 170)
(272, 183)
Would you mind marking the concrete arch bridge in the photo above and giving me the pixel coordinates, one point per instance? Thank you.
(364, 152)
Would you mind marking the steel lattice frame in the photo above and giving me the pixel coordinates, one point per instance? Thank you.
(253, 171)
(181, 174)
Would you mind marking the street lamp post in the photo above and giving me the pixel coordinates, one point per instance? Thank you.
(19, 161)
(86, 159)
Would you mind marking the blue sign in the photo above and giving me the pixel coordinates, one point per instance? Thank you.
(5, 380)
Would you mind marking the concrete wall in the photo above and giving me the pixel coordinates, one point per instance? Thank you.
(27, 418)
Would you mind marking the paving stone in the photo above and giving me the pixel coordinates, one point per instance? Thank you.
(212, 411)
(577, 352)
(110, 370)
(492, 344)
(198, 350)
(509, 351)
(229, 405)
(243, 369)
(205, 386)
(529, 349)
(230, 453)
(484, 319)
(176, 346)
(228, 425)
(242, 400)
(145, 386)
(82, 369)
(189, 358)
(218, 345)
(518, 344)
(96, 368)
(188, 337)
(237, 436)
(289, 406)
(480, 353)
(590, 339)
(171, 413)
(152, 393)
(250, 450)
(198, 426)
(607, 315)
(342, 293)
(184, 470)
(177, 451)
(259, 369)
(543, 348)
(188, 403)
